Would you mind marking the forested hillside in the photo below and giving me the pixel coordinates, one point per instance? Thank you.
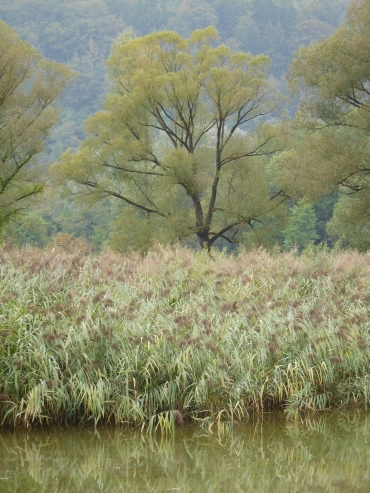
(81, 32)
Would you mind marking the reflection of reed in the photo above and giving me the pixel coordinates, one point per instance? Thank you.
(269, 456)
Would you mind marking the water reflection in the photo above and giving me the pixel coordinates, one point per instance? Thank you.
(327, 454)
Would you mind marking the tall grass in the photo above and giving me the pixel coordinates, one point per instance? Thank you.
(180, 337)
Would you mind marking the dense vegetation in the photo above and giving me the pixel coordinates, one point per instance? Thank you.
(182, 141)
(29, 86)
(180, 337)
(189, 145)
(81, 33)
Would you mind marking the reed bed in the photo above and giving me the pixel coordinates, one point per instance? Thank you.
(180, 337)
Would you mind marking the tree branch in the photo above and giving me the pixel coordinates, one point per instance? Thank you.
(125, 199)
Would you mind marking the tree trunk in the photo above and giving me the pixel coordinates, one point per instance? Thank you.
(202, 230)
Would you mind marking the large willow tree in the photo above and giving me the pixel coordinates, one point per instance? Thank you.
(29, 86)
(178, 142)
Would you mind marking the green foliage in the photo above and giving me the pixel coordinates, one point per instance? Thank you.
(81, 33)
(54, 215)
(301, 230)
(178, 138)
(29, 86)
(330, 152)
(324, 211)
(191, 15)
(34, 228)
(350, 222)
(335, 71)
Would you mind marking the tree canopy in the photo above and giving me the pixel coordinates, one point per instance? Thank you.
(29, 86)
(80, 33)
(331, 151)
(178, 142)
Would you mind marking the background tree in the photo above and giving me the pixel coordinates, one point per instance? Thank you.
(29, 86)
(301, 230)
(172, 142)
(191, 15)
(332, 153)
(351, 221)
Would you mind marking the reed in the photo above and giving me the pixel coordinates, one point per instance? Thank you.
(179, 337)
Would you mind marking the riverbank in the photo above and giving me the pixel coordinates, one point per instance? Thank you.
(179, 337)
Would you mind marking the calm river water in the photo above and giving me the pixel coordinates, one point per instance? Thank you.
(328, 454)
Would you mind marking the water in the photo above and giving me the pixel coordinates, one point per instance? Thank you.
(328, 454)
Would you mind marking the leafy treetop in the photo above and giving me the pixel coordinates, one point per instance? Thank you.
(29, 86)
(177, 140)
